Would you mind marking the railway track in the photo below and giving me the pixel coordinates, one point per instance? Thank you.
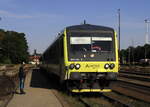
(135, 72)
(134, 84)
(133, 92)
(84, 102)
(135, 76)
(118, 100)
(99, 100)
(112, 99)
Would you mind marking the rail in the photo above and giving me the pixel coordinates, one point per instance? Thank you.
(113, 99)
(133, 84)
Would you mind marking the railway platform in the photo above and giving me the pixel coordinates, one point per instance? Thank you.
(38, 93)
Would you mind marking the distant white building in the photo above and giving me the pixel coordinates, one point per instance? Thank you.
(34, 59)
(144, 61)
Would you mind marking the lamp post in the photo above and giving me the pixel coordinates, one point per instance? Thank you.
(119, 35)
(1, 49)
(119, 28)
(147, 34)
(147, 30)
(0, 44)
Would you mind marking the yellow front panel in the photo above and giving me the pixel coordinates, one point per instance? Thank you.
(89, 66)
(93, 67)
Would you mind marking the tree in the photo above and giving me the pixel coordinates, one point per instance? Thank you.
(15, 47)
(132, 54)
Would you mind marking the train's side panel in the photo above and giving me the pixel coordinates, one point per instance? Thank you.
(53, 65)
(53, 57)
(62, 70)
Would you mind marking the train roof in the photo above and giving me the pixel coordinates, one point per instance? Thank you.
(82, 27)
(88, 27)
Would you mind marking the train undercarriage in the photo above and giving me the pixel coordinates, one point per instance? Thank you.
(90, 82)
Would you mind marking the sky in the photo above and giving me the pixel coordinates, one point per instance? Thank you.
(42, 20)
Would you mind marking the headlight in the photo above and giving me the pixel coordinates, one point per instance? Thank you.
(106, 66)
(77, 66)
(112, 66)
(71, 66)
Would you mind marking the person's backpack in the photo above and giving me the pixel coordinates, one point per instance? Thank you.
(21, 72)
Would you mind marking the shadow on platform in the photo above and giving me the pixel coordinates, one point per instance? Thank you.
(41, 79)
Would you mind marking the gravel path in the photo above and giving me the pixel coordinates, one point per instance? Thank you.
(38, 93)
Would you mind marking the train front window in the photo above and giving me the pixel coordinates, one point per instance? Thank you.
(90, 47)
(103, 44)
(80, 44)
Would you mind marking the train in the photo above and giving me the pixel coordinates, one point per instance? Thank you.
(84, 57)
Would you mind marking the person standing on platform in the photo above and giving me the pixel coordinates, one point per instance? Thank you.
(22, 76)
